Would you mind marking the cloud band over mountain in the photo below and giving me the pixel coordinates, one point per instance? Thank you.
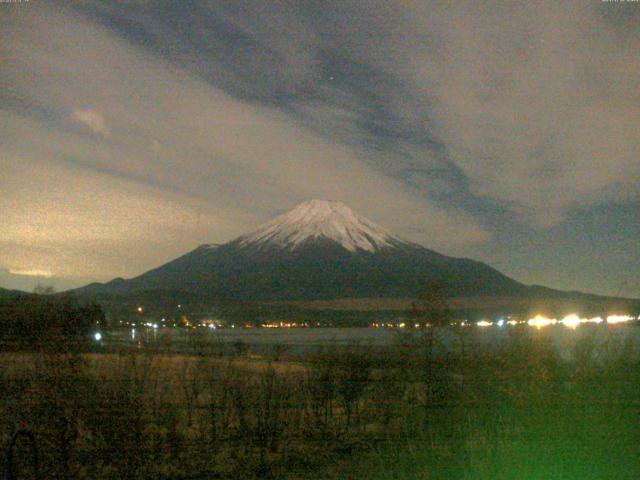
(136, 130)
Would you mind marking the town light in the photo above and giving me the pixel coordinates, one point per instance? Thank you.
(571, 321)
(539, 321)
(611, 319)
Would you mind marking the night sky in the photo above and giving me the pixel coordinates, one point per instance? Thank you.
(133, 131)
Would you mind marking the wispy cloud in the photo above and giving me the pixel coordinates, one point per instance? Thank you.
(185, 162)
(32, 273)
(93, 120)
(530, 106)
(465, 122)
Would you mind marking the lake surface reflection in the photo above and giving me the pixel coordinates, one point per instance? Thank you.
(300, 340)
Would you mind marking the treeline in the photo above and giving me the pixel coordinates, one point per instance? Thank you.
(402, 412)
(34, 321)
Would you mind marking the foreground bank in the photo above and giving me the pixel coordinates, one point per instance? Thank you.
(518, 410)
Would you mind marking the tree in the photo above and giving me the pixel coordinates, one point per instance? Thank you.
(36, 321)
(40, 289)
(351, 380)
(431, 310)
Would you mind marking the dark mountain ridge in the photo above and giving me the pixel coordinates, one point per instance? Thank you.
(319, 251)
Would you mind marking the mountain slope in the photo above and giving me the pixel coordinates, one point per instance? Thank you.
(322, 219)
(318, 250)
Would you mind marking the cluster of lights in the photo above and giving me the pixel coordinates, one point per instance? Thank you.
(396, 325)
(571, 321)
(213, 324)
(285, 325)
(500, 323)
(612, 319)
(540, 321)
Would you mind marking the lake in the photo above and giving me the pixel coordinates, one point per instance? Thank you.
(300, 340)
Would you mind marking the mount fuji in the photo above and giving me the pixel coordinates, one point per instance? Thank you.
(320, 250)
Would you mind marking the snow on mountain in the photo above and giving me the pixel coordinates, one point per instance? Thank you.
(322, 219)
(292, 258)
(247, 269)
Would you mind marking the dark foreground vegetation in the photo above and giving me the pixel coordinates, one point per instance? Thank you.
(409, 411)
(43, 321)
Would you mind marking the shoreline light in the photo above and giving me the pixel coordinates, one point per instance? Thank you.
(593, 320)
(540, 321)
(571, 321)
(612, 319)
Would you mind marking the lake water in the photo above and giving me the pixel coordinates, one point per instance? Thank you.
(298, 340)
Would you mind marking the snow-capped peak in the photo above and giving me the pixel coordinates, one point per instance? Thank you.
(322, 219)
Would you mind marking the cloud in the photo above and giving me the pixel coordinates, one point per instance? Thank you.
(457, 119)
(536, 103)
(531, 107)
(28, 280)
(32, 273)
(186, 163)
(93, 120)
(534, 106)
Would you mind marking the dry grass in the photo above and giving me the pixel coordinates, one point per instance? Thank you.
(396, 412)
